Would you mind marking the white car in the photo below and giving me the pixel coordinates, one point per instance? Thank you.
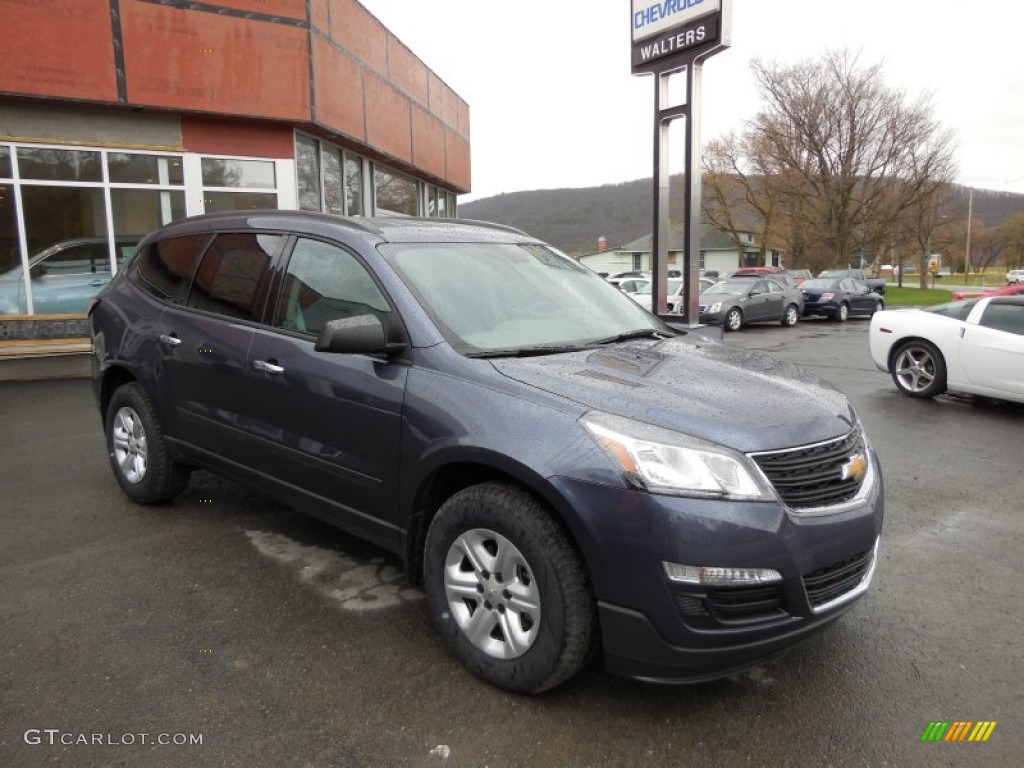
(674, 300)
(633, 284)
(1015, 276)
(974, 346)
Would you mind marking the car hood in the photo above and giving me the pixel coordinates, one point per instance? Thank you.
(730, 396)
(712, 298)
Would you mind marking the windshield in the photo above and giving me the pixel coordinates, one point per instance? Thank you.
(835, 273)
(956, 309)
(817, 284)
(731, 286)
(502, 297)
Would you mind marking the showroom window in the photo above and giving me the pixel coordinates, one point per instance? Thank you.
(354, 185)
(70, 216)
(307, 172)
(231, 184)
(9, 257)
(333, 180)
(394, 193)
(328, 178)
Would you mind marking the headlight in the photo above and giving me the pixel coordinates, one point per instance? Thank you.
(715, 308)
(662, 461)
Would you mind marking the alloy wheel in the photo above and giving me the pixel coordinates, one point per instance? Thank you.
(914, 369)
(131, 451)
(492, 593)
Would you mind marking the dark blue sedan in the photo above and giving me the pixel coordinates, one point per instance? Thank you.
(839, 298)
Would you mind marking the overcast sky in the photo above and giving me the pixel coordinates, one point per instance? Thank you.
(552, 102)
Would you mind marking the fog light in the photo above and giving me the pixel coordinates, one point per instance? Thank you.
(720, 577)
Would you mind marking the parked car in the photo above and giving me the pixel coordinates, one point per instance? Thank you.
(738, 301)
(758, 271)
(674, 298)
(564, 471)
(1006, 290)
(799, 275)
(64, 276)
(620, 277)
(1015, 277)
(633, 284)
(876, 284)
(839, 298)
(974, 346)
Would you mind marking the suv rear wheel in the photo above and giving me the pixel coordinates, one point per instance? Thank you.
(137, 449)
(507, 590)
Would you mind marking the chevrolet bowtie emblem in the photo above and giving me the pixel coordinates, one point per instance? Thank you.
(855, 467)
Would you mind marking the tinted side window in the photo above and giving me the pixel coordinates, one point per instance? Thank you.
(1004, 317)
(163, 267)
(232, 274)
(325, 282)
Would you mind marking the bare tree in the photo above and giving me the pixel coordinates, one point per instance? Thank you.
(1007, 240)
(849, 155)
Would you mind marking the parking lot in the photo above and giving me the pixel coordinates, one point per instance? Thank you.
(280, 641)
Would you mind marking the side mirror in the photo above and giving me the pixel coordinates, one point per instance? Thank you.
(362, 334)
(37, 270)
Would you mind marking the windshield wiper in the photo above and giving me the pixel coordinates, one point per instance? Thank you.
(640, 333)
(535, 351)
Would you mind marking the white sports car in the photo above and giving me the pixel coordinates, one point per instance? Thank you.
(974, 346)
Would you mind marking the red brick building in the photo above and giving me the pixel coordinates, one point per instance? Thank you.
(117, 116)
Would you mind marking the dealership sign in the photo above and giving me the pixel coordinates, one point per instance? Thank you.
(667, 32)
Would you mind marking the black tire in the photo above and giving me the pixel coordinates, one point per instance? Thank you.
(516, 646)
(879, 306)
(918, 369)
(137, 449)
(791, 316)
(842, 314)
(733, 319)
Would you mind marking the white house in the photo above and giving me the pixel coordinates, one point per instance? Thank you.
(718, 251)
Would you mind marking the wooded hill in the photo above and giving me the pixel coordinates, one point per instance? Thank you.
(573, 219)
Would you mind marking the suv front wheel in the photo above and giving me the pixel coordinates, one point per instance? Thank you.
(137, 449)
(507, 590)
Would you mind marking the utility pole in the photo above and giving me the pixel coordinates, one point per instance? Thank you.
(967, 249)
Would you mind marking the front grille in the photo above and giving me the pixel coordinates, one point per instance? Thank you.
(746, 603)
(826, 584)
(732, 605)
(813, 476)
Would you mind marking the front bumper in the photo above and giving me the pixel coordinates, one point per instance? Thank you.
(656, 629)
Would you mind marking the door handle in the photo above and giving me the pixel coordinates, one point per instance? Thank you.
(169, 339)
(267, 367)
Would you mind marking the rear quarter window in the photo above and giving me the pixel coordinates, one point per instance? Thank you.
(162, 268)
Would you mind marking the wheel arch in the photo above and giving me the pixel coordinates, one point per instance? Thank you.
(457, 472)
(902, 342)
(113, 378)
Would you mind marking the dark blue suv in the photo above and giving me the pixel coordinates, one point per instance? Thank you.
(565, 473)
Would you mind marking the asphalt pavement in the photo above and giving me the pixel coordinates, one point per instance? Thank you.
(274, 640)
